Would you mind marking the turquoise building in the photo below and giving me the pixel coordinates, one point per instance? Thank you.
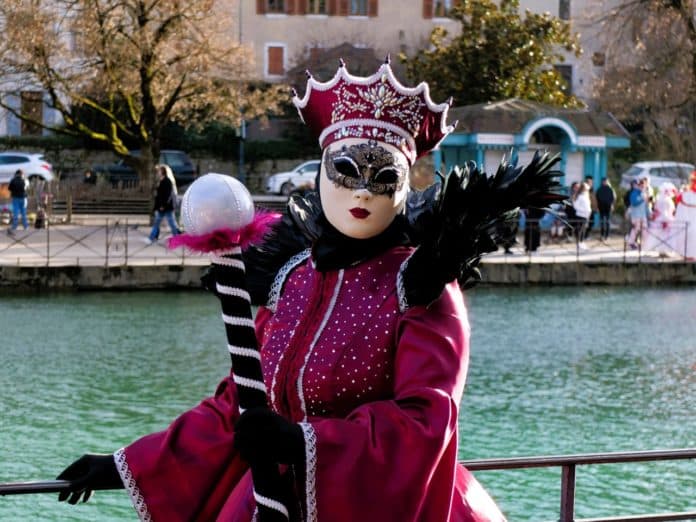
(488, 131)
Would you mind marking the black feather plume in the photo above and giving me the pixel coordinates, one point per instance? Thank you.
(472, 215)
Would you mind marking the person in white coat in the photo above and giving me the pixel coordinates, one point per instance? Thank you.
(583, 210)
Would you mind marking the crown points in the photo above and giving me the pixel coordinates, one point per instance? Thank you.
(376, 107)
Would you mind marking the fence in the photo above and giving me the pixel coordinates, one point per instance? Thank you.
(561, 239)
(568, 465)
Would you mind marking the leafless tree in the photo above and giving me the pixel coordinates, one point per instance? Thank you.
(649, 79)
(137, 64)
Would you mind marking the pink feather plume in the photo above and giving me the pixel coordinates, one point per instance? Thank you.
(223, 239)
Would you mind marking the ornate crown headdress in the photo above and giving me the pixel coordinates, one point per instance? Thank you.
(376, 107)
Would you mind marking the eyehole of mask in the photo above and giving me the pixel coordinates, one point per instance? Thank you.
(387, 175)
(346, 167)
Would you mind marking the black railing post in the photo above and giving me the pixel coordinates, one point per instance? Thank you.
(48, 243)
(568, 493)
(106, 244)
(125, 248)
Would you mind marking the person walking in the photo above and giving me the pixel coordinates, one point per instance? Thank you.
(18, 192)
(605, 197)
(638, 212)
(583, 211)
(165, 201)
(594, 208)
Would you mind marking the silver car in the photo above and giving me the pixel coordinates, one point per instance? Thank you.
(657, 172)
(34, 165)
(302, 176)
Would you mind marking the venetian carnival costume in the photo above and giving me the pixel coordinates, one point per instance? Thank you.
(685, 216)
(661, 233)
(363, 333)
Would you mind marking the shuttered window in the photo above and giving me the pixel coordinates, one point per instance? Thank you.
(317, 7)
(564, 9)
(358, 8)
(276, 6)
(275, 60)
(438, 8)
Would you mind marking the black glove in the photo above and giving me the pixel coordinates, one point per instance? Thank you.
(89, 473)
(262, 435)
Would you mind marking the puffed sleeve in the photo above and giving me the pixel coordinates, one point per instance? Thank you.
(396, 460)
(190, 471)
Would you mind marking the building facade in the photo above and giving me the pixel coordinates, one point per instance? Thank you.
(285, 33)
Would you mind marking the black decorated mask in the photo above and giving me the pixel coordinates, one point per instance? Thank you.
(366, 165)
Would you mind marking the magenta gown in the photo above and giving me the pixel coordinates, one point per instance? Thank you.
(376, 389)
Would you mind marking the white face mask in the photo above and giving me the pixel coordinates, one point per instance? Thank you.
(363, 186)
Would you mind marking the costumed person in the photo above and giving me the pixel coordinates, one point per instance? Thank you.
(165, 202)
(363, 334)
(660, 235)
(685, 217)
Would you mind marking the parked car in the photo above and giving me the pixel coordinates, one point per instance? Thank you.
(34, 165)
(119, 172)
(657, 172)
(302, 176)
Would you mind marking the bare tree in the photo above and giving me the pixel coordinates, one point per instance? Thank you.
(137, 64)
(649, 79)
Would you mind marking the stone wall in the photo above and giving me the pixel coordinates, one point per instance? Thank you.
(17, 278)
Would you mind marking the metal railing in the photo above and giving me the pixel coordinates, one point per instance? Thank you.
(562, 238)
(568, 465)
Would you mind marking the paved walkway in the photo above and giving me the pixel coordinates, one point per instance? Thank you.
(122, 240)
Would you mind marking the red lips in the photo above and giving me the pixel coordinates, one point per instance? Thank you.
(359, 213)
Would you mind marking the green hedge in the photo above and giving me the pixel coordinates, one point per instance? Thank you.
(220, 141)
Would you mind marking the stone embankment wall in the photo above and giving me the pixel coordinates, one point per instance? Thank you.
(17, 278)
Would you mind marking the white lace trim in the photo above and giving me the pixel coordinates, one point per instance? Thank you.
(280, 277)
(131, 486)
(229, 261)
(325, 320)
(400, 290)
(244, 352)
(249, 383)
(238, 321)
(233, 291)
(271, 504)
(310, 471)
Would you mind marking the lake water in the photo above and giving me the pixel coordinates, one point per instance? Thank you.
(553, 371)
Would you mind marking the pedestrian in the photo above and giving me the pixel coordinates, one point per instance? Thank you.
(89, 178)
(18, 188)
(589, 181)
(363, 339)
(638, 211)
(605, 197)
(532, 229)
(583, 210)
(165, 203)
(685, 215)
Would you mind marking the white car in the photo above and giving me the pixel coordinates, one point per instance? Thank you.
(657, 173)
(301, 176)
(35, 167)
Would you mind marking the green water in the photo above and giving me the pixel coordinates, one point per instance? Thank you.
(553, 371)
